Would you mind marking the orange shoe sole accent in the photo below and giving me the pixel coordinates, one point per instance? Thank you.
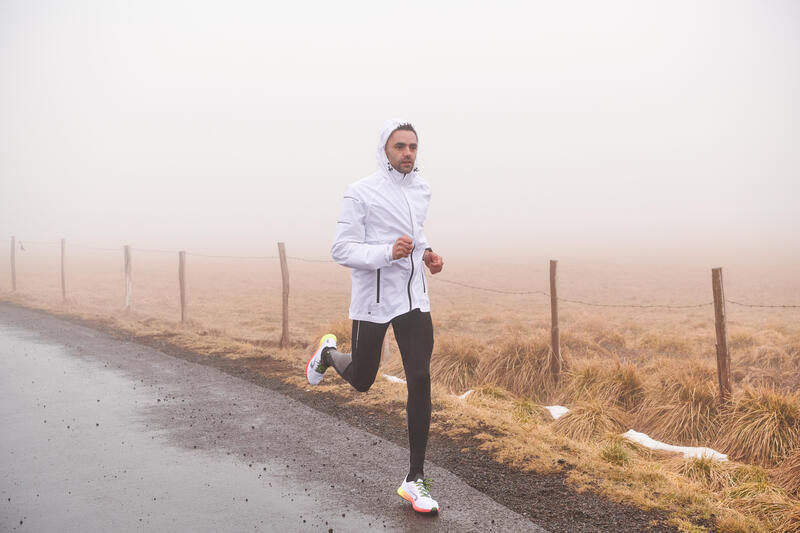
(403, 494)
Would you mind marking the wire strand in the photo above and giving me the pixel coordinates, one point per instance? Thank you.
(234, 256)
(26, 241)
(569, 300)
(637, 306)
(310, 260)
(499, 291)
(154, 251)
(94, 247)
(760, 305)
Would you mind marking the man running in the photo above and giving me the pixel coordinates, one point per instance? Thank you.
(379, 235)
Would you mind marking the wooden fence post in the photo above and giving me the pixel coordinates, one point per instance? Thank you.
(63, 274)
(182, 280)
(128, 280)
(13, 264)
(721, 326)
(285, 279)
(555, 356)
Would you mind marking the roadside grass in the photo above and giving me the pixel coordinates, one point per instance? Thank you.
(590, 419)
(762, 426)
(787, 473)
(681, 404)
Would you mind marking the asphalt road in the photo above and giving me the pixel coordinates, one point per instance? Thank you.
(104, 435)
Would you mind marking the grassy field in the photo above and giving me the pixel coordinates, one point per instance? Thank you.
(652, 370)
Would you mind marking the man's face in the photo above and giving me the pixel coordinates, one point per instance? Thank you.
(401, 149)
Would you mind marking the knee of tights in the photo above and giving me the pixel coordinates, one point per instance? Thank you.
(419, 379)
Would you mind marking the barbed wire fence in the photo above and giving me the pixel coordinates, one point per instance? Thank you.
(723, 354)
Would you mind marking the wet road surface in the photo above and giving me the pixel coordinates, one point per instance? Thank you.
(100, 434)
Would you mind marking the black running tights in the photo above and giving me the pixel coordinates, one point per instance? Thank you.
(414, 334)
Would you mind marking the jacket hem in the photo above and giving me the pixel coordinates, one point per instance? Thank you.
(383, 319)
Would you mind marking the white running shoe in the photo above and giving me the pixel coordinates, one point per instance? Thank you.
(316, 367)
(418, 492)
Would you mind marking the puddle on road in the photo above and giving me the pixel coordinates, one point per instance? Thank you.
(78, 455)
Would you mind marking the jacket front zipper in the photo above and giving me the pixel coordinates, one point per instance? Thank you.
(411, 257)
(378, 290)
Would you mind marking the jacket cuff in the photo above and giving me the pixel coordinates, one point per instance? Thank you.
(387, 255)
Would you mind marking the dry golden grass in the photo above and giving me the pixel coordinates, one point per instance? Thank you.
(618, 382)
(520, 365)
(718, 475)
(787, 473)
(589, 419)
(617, 450)
(762, 426)
(682, 405)
(766, 501)
(715, 475)
(789, 520)
(651, 368)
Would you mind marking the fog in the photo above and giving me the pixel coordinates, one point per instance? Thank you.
(607, 129)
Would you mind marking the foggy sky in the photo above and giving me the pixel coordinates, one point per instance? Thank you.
(545, 127)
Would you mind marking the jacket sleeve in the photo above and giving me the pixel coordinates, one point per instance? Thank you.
(422, 240)
(349, 247)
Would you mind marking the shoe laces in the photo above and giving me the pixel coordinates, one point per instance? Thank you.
(424, 486)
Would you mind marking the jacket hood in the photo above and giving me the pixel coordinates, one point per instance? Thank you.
(384, 167)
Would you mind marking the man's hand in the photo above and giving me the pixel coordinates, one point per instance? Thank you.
(402, 247)
(433, 261)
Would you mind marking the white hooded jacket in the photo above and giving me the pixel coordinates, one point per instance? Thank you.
(375, 212)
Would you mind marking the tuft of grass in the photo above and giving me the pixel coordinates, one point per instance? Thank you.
(732, 521)
(787, 473)
(683, 406)
(628, 386)
(789, 520)
(489, 396)
(610, 340)
(454, 363)
(617, 450)
(714, 475)
(615, 453)
(741, 339)
(581, 344)
(519, 365)
(767, 502)
(744, 473)
(662, 343)
(525, 412)
(584, 380)
(761, 426)
(588, 419)
(620, 384)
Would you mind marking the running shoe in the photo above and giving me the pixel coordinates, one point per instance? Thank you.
(418, 493)
(316, 367)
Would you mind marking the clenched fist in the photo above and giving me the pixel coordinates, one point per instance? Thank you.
(402, 247)
(433, 261)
